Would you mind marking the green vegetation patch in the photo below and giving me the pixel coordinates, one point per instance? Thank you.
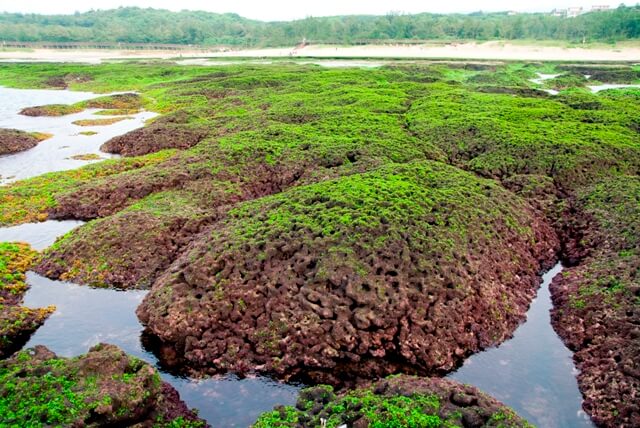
(16, 322)
(100, 122)
(396, 402)
(103, 387)
(52, 110)
(573, 138)
(15, 260)
(30, 200)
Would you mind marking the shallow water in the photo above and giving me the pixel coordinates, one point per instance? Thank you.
(86, 316)
(533, 372)
(54, 154)
(541, 78)
(597, 88)
(38, 235)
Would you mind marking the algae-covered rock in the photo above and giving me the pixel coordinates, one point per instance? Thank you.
(104, 387)
(14, 141)
(51, 110)
(408, 267)
(397, 402)
(169, 132)
(597, 303)
(17, 323)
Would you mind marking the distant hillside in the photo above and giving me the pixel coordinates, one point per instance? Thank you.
(135, 25)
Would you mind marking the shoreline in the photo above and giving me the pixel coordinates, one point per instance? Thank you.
(502, 51)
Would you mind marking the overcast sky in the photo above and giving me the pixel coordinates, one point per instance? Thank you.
(269, 10)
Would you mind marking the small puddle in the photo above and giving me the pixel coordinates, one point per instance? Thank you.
(38, 235)
(533, 372)
(541, 78)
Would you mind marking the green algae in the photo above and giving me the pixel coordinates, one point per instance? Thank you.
(369, 149)
(16, 321)
(408, 403)
(399, 199)
(30, 200)
(15, 259)
(103, 387)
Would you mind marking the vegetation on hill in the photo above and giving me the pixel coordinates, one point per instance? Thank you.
(135, 25)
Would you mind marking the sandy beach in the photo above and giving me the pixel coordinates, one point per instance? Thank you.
(460, 51)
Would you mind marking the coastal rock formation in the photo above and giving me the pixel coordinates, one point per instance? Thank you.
(596, 303)
(17, 323)
(408, 267)
(169, 132)
(14, 141)
(127, 101)
(400, 401)
(104, 387)
(138, 240)
(51, 110)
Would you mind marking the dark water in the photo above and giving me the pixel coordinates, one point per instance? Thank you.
(533, 373)
(86, 316)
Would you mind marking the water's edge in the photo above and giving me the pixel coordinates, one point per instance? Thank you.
(533, 372)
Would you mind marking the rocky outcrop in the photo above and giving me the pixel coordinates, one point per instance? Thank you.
(17, 323)
(51, 110)
(596, 309)
(169, 132)
(14, 141)
(409, 267)
(400, 401)
(104, 387)
(131, 248)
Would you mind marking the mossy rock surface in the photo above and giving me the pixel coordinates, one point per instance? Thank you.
(597, 303)
(168, 132)
(396, 402)
(17, 323)
(574, 138)
(51, 110)
(104, 387)
(14, 141)
(292, 184)
(411, 266)
(34, 199)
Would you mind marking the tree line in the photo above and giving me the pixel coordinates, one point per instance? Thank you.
(136, 25)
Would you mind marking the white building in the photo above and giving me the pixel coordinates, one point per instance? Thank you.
(601, 7)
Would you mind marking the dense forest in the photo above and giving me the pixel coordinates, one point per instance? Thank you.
(135, 25)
